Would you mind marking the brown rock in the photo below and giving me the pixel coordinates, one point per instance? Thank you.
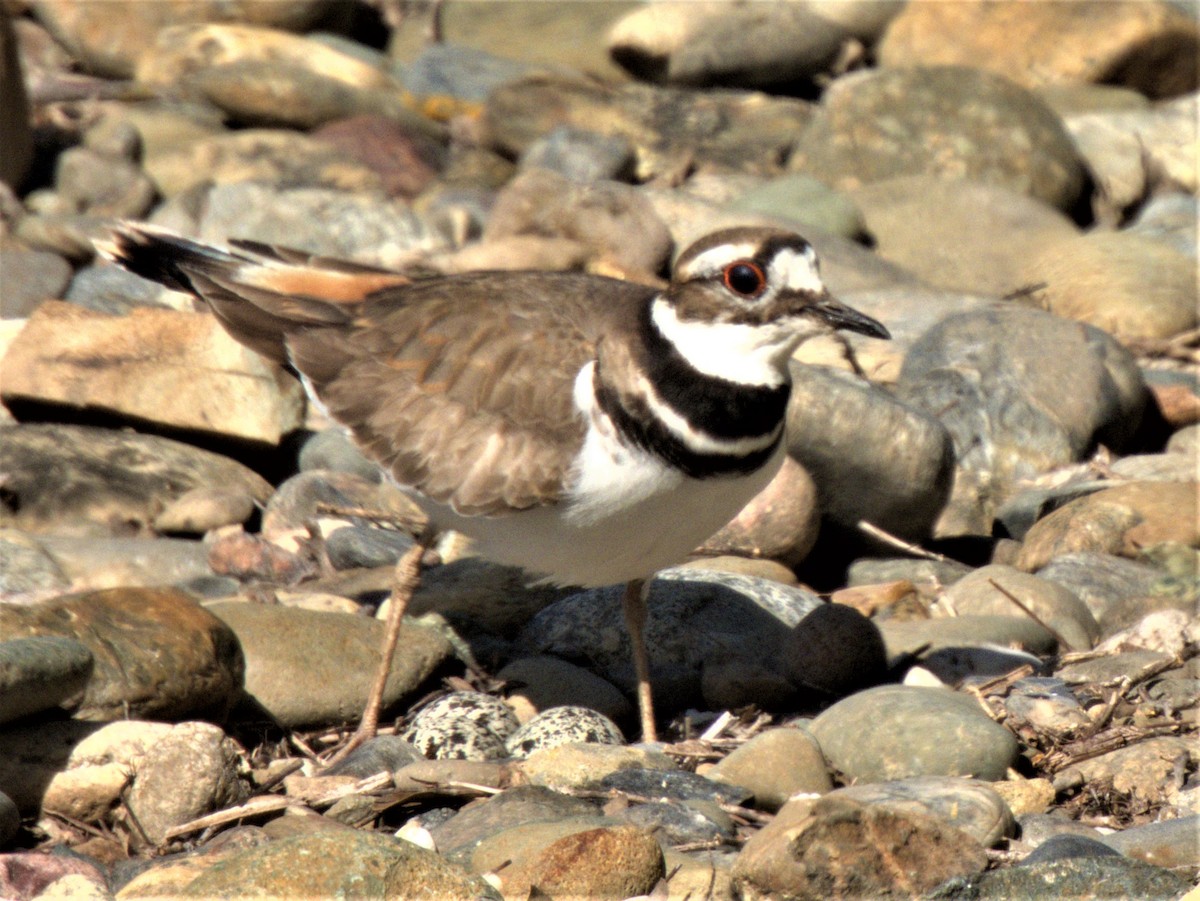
(839, 848)
(1119, 520)
(176, 369)
(405, 160)
(615, 222)
(306, 666)
(973, 236)
(612, 862)
(1147, 45)
(775, 765)
(780, 523)
(110, 44)
(157, 652)
(1130, 286)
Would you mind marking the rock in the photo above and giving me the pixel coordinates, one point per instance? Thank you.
(1119, 591)
(775, 765)
(1170, 844)
(191, 771)
(531, 34)
(962, 803)
(333, 863)
(202, 509)
(1081, 877)
(325, 221)
(833, 651)
(82, 480)
(405, 159)
(1118, 520)
(724, 44)
(613, 221)
(1170, 218)
(273, 156)
(332, 449)
(1146, 46)
(1145, 770)
(1127, 285)
(1021, 392)
(111, 45)
(102, 185)
(895, 475)
(895, 731)
(975, 238)
(1026, 796)
(669, 128)
(26, 568)
(30, 276)
(779, 523)
(806, 201)
(366, 546)
(1048, 705)
(843, 847)
(950, 121)
(380, 754)
(674, 824)
(673, 785)
(1164, 631)
(14, 109)
(580, 155)
(196, 377)
(462, 725)
(957, 632)
(609, 862)
(560, 726)
(420, 774)
(40, 673)
(95, 563)
(537, 684)
(156, 652)
(450, 78)
(28, 874)
(306, 667)
(1052, 605)
(737, 613)
(585, 765)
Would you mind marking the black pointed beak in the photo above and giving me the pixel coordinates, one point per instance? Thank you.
(841, 316)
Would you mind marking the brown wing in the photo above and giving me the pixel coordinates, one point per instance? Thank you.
(463, 387)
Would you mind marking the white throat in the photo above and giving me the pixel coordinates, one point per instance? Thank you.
(735, 352)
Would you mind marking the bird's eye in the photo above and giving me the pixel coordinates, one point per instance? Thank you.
(745, 278)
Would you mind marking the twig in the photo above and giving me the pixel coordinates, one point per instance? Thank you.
(888, 538)
(1058, 637)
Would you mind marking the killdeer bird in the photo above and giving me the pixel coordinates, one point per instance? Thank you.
(590, 430)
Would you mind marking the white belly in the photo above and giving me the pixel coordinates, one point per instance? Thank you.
(625, 514)
(670, 519)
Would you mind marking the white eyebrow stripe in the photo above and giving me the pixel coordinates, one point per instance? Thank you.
(797, 271)
(717, 258)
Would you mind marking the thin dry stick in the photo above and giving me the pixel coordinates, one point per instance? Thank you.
(1062, 642)
(888, 538)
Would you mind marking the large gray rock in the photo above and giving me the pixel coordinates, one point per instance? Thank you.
(950, 121)
(1021, 393)
(872, 457)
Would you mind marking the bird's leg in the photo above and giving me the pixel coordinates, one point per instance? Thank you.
(405, 579)
(633, 605)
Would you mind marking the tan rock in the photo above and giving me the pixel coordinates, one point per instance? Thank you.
(175, 369)
(1119, 520)
(1128, 285)
(780, 523)
(1148, 45)
(110, 44)
(610, 862)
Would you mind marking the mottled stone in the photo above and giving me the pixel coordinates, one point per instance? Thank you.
(156, 651)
